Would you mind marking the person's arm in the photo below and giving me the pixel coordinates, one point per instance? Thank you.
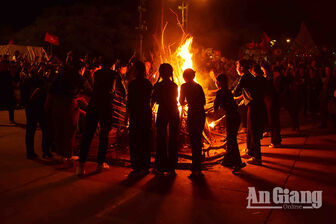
(128, 104)
(154, 96)
(203, 96)
(217, 101)
(182, 96)
(237, 90)
(87, 89)
(120, 87)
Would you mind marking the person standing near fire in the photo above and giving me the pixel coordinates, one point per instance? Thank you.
(165, 95)
(62, 109)
(140, 113)
(106, 84)
(193, 95)
(271, 105)
(224, 99)
(253, 98)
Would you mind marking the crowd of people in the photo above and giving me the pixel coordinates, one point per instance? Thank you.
(79, 95)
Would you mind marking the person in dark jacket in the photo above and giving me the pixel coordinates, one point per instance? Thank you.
(63, 110)
(193, 95)
(35, 114)
(165, 95)
(140, 114)
(106, 83)
(224, 99)
(271, 106)
(253, 97)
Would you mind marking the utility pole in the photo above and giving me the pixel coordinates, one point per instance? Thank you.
(184, 7)
(142, 28)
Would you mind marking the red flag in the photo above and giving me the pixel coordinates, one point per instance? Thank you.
(266, 38)
(265, 41)
(51, 39)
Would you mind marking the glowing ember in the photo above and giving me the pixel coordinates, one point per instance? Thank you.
(212, 125)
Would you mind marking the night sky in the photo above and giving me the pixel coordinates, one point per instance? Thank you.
(275, 17)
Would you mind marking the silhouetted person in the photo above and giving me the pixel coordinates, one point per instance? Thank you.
(35, 114)
(224, 99)
(62, 109)
(106, 82)
(140, 114)
(252, 92)
(294, 85)
(193, 93)
(7, 98)
(165, 94)
(314, 88)
(327, 98)
(271, 105)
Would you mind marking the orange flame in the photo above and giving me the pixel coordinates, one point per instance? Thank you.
(186, 60)
(186, 55)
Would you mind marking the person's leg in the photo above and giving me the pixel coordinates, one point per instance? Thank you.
(256, 133)
(91, 126)
(269, 104)
(275, 127)
(323, 113)
(11, 107)
(146, 150)
(196, 149)
(105, 127)
(11, 115)
(173, 148)
(46, 144)
(249, 134)
(142, 141)
(161, 149)
(30, 133)
(133, 147)
(232, 145)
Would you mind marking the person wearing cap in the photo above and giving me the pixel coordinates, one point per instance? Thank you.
(165, 95)
(193, 95)
(224, 99)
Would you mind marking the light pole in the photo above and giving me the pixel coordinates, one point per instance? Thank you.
(184, 7)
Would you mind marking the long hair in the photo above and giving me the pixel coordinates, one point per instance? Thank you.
(165, 70)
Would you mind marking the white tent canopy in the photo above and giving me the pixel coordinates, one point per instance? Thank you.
(304, 43)
(30, 51)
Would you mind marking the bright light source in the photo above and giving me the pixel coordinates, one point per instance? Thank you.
(288, 40)
(212, 124)
(273, 42)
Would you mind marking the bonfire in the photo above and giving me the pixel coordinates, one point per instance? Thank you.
(182, 58)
